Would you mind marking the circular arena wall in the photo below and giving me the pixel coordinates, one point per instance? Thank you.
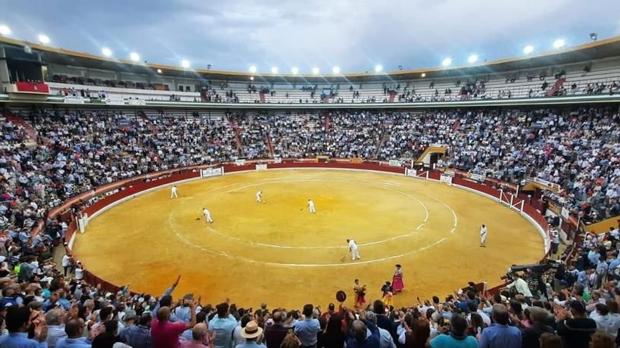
(149, 239)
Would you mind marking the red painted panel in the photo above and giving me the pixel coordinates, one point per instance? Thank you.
(32, 87)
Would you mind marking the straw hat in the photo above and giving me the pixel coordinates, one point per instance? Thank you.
(251, 330)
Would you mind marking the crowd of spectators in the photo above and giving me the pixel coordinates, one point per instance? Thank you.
(562, 304)
(576, 148)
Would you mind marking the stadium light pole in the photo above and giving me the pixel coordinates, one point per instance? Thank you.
(274, 69)
(315, 71)
(134, 57)
(446, 62)
(44, 39)
(473, 58)
(106, 52)
(295, 70)
(5, 30)
(528, 49)
(378, 68)
(559, 43)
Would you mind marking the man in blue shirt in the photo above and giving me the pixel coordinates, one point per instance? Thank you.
(614, 263)
(500, 334)
(17, 323)
(593, 257)
(138, 336)
(222, 326)
(182, 313)
(308, 328)
(74, 339)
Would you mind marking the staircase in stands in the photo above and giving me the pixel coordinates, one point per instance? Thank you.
(235, 126)
(269, 145)
(556, 86)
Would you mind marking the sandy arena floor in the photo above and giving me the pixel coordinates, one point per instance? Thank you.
(278, 253)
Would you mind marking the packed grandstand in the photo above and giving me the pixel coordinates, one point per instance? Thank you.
(80, 128)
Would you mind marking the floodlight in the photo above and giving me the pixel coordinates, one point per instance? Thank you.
(5, 30)
(106, 52)
(253, 69)
(472, 58)
(528, 49)
(159, 71)
(185, 64)
(44, 39)
(274, 69)
(423, 75)
(378, 68)
(134, 56)
(559, 43)
(446, 61)
(315, 71)
(295, 70)
(336, 70)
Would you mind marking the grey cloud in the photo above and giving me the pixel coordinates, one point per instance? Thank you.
(354, 34)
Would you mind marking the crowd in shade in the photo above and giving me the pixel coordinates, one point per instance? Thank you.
(570, 303)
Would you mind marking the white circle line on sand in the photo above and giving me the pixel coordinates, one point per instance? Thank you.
(384, 259)
(279, 264)
(280, 246)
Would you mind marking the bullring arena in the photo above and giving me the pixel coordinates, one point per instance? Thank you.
(395, 219)
(268, 174)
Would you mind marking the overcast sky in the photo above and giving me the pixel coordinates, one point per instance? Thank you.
(353, 34)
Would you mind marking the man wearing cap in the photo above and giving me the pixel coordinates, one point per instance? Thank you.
(138, 336)
(308, 328)
(251, 332)
(127, 319)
